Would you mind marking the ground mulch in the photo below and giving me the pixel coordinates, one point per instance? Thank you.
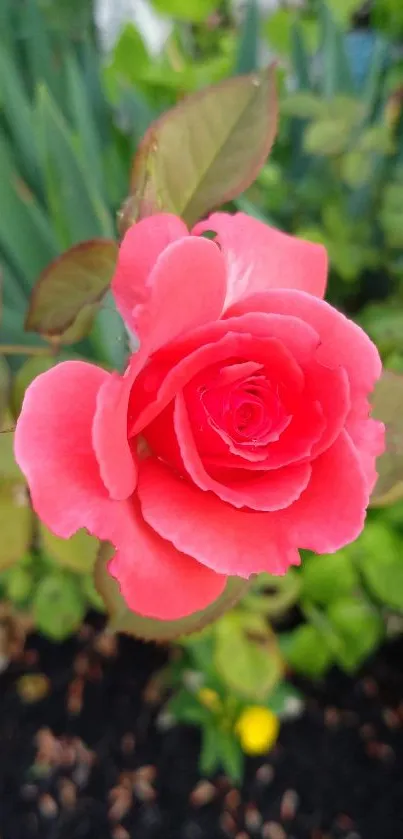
(83, 756)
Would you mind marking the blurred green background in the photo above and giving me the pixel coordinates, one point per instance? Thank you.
(78, 89)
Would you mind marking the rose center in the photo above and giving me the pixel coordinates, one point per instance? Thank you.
(246, 408)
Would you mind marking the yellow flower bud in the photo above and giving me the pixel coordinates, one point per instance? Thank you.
(209, 698)
(257, 729)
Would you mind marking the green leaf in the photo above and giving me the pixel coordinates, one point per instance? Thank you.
(19, 583)
(78, 553)
(4, 387)
(229, 130)
(283, 29)
(307, 652)
(278, 29)
(16, 521)
(343, 10)
(24, 376)
(231, 756)
(128, 60)
(391, 214)
(272, 596)
(388, 406)
(327, 136)
(384, 324)
(70, 290)
(185, 708)
(247, 60)
(109, 338)
(245, 206)
(356, 168)
(195, 11)
(8, 466)
(90, 593)
(209, 759)
(200, 650)
(58, 606)
(303, 104)
(124, 620)
(246, 655)
(282, 698)
(378, 556)
(326, 578)
(377, 138)
(359, 626)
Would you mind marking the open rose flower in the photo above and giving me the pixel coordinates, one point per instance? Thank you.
(240, 431)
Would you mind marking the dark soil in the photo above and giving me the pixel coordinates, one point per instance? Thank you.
(88, 760)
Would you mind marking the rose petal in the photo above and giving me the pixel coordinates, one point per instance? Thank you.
(185, 289)
(155, 579)
(115, 457)
(172, 368)
(368, 436)
(53, 447)
(271, 491)
(331, 389)
(198, 523)
(138, 253)
(343, 343)
(331, 511)
(286, 379)
(299, 438)
(260, 257)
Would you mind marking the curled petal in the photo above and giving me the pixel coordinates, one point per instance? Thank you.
(184, 288)
(172, 368)
(260, 257)
(142, 245)
(342, 342)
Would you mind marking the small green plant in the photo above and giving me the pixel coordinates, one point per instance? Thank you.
(235, 717)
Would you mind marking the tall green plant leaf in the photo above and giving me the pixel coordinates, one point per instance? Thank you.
(77, 208)
(42, 61)
(335, 71)
(17, 111)
(84, 124)
(26, 236)
(247, 60)
(300, 58)
(194, 11)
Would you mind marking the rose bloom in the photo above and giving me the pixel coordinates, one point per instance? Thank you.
(239, 432)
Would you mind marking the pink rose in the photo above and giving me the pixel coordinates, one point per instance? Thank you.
(239, 431)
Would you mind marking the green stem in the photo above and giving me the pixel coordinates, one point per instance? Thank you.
(19, 349)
